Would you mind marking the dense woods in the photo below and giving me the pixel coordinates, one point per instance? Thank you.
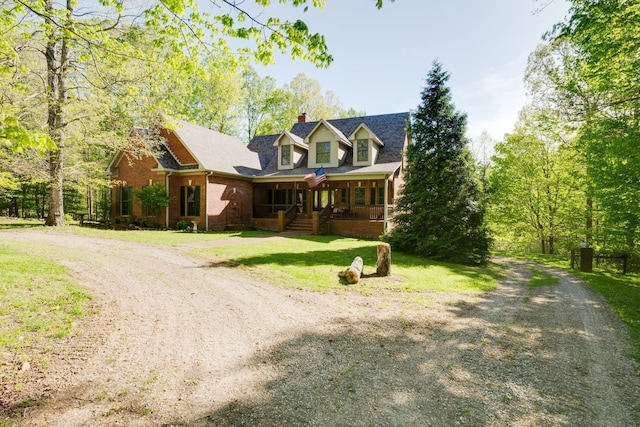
(570, 172)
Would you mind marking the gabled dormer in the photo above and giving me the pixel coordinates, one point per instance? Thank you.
(291, 150)
(328, 146)
(366, 146)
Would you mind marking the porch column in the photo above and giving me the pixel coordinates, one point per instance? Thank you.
(386, 203)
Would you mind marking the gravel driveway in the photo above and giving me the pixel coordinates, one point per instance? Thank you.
(176, 342)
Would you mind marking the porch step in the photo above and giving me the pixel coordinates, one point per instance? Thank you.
(301, 224)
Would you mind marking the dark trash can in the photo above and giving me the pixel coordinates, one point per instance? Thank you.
(586, 259)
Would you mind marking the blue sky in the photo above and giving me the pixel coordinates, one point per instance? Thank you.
(381, 57)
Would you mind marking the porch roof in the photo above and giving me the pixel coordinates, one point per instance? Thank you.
(345, 171)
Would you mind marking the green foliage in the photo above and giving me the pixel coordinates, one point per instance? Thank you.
(588, 72)
(13, 134)
(440, 213)
(153, 197)
(537, 188)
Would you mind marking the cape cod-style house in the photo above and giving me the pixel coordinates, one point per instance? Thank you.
(328, 176)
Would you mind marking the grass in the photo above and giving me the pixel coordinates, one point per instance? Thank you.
(7, 222)
(541, 278)
(313, 262)
(39, 301)
(622, 292)
(164, 237)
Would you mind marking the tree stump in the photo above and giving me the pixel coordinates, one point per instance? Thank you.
(384, 259)
(354, 272)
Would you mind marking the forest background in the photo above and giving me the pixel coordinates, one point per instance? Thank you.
(75, 79)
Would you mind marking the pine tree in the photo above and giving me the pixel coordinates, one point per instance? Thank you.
(440, 211)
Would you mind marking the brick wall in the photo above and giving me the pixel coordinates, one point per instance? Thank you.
(270, 224)
(353, 228)
(136, 172)
(230, 203)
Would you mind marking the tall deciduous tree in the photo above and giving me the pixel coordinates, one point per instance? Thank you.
(440, 213)
(260, 97)
(537, 186)
(596, 84)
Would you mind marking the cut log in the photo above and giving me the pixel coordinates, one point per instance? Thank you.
(384, 259)
(354, 272)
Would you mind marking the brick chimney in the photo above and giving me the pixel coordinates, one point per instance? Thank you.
(302, 118)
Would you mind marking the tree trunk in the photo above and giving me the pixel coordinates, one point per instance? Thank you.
(57, 55)
(384, 259)
(354, 272)
(589, 224)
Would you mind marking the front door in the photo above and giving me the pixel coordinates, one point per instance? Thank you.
(321, 198)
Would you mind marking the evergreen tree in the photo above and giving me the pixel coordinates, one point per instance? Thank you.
(440, 212)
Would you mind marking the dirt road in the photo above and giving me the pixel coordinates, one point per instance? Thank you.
(177, 342)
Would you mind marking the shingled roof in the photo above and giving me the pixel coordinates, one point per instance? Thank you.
(217, 151)
(391, 129)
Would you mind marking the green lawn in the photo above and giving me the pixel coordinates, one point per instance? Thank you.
(39, 301)
(6, 222)
(313, 262)
(162, 237)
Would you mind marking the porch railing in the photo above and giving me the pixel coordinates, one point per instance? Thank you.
(341, 212)
(358, 212)
(290, 214)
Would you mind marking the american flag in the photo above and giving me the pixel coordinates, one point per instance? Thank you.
(316, 177)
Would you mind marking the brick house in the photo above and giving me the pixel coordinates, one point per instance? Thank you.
(219, 183)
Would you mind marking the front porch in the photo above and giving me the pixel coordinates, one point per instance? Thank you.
(349, 208)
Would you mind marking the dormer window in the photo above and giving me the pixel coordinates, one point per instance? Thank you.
(285, 155)
(366, 146)
(291, 150)
(362, 147)
(323, 152)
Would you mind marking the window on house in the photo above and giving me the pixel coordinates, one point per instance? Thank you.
(124, 200)
(377, 196)
(280, 196)
(359, 195)
(190, 200)
(285, 155)
(344, 196)
(362, 147)
(323, 152)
